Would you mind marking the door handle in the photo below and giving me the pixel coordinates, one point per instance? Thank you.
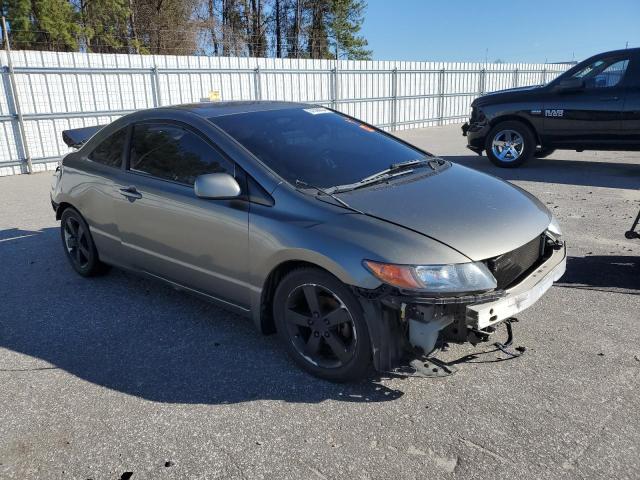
(609, 99)
(131, 192)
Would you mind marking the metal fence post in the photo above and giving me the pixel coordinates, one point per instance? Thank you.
(482, 82)
(441, 97)
(155, 84)
(154, 90)
(334, 87)
(14, 101)
(515, 77)
(257, 85)
(544, 76)
(394, 99)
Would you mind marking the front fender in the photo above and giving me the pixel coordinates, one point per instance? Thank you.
(338, 245)
(528, 113)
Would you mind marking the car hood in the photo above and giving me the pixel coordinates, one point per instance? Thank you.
(506, 95)
(476, 214)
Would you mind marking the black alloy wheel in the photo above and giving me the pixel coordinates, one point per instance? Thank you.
(79, 245)
(321, 324)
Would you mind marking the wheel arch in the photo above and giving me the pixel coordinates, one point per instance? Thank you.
(264, 319)
(516, 118)
(62, 206)
(387, 340)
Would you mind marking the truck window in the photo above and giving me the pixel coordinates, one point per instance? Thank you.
(603, 73)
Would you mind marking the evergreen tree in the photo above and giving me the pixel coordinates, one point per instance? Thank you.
(42, 24)
(344, 24)
(106, 25)
(333, 29)
(57, 25)
(18, 13)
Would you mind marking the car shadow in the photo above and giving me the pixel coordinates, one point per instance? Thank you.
(559, 171)
(142, 338)
(618, 273)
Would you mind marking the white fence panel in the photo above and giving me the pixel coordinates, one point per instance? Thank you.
(57, 91)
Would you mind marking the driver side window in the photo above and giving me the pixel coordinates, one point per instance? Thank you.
(174, 153)
(603, 73)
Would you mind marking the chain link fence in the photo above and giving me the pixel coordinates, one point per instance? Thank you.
(44, 93)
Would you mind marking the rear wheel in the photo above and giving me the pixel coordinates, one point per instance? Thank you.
(321, 325)
(78, 244)
(510, 144)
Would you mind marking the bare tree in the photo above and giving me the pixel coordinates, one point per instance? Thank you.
(134, 43)
(278, 22)
(294, 49)
(317, 35)
(213, 25)
(233, 38)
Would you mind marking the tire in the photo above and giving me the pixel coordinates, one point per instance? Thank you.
(78, 244)
(316, 315)
(518, 144)
(543, 152)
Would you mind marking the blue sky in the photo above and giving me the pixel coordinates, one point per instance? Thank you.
(516, 30)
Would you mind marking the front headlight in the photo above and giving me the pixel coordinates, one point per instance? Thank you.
(554, 228)
(454, 278)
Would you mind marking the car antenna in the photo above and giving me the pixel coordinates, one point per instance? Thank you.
(301, 183)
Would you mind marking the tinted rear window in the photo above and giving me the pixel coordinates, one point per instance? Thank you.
(109, 152)
(315, 145)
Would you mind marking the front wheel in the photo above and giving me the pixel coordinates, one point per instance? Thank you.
(510, 144)
(321, 325)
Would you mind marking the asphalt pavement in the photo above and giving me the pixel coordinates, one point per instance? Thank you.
(117, 377)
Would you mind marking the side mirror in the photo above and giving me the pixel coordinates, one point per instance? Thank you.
(570, 85)
(216, 186)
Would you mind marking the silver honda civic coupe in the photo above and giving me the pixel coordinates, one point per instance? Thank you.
(356, 247)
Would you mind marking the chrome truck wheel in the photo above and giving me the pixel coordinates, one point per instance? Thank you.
(507, 145)
(510, 144)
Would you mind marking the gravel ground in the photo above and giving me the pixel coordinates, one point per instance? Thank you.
(116, 374)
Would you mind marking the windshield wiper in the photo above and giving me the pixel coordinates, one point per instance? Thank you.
(395, 167)
(329, 193)
(394, 170)
(408, 163)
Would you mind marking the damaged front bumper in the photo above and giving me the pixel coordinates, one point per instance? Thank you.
(472, 320)
(521, 296)
(403, 322)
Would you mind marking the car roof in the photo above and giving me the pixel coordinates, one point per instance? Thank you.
(218, 109)
(629, 51)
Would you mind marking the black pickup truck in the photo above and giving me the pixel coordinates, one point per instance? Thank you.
(593, 106)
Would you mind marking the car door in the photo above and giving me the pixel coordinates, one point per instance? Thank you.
(631, 110)
(589, 116)
(166, 230)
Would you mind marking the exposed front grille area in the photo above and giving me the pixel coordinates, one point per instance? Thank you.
(507, 268)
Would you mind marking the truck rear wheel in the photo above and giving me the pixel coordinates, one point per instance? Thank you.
(510, 144)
